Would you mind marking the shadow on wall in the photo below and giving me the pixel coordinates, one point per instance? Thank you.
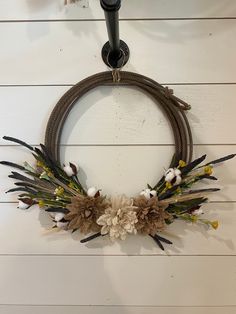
(51, 8)
(178, 233)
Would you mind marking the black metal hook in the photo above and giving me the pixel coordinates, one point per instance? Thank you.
(115, 52)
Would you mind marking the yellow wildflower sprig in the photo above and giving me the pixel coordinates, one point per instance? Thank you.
(194, 219)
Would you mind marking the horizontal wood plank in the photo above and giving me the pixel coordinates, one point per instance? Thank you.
(27, 232)
(118, 280)
(90, 9)
(6, 309)
(118, 115)
(172, 51)
(44, 42)
(125, 169)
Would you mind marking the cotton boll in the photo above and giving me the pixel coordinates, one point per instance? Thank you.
(61, 225)
(59, 216)
(178, 180)
(147, 193)
(173, 176)
(92, 191)
(71, 169)
(169, 175)
(68, 170)
(177, 172)
(22, 205)
(153, 193)
(197, 212)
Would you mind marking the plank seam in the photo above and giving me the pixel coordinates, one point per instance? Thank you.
(121, 19)
(210, 202)
(124, 145)
(112, 255)
(118, 305)
(163, 83)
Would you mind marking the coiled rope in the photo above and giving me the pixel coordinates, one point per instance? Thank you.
(173, 107)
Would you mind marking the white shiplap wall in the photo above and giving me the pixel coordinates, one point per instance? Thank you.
(46, 48)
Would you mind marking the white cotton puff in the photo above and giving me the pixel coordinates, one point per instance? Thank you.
(147, 193)
(61, 225)
(177, 172)
(22, 205)
(68, 170)
(59, 216)
(71, 169)
(169, 175)
(92, 191)
(153, 193)
(178, 180)
(197, 212)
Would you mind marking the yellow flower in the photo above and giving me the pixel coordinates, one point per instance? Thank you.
(214, 224)
(182, 164)
(168, 185)
(49, 173)
(178, 191)
(208, 170)
(71, 185)
(39, 164)
(59, 191)
(41, 203)
(194, 218)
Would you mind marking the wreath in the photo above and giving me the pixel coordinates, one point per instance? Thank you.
(56, 188)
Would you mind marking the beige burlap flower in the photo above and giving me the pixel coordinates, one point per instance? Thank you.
(119, 218)
(84, 212)
(151, 216)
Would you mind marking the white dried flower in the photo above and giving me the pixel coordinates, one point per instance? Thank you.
(59, 216)
(92, 191)
(23, 205)
(147, 193)
(119, 219)
(71, 169)
(173, 176)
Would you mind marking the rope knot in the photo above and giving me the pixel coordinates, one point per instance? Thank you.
(168, 92)
(116, 75)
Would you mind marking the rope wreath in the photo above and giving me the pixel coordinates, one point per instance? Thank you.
(57, 190)
(172, 106)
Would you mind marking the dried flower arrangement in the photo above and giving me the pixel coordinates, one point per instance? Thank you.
(58, 191)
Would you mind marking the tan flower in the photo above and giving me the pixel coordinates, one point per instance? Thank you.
(151, 216)
(119, 218)
(84, 212)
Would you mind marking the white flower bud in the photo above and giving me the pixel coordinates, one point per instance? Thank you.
(71, 169)
(92, 191)
(22, 205)
(59, 216)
